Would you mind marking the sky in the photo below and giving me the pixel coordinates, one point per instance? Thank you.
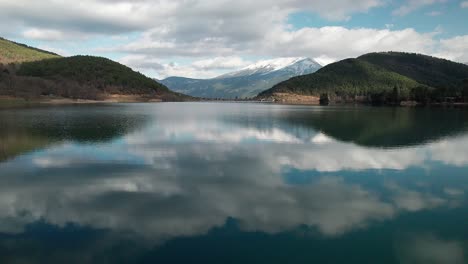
(206, 38)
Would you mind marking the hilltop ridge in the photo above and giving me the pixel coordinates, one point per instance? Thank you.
(12, 52)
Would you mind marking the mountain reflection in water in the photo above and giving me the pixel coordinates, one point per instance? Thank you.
(233, 183)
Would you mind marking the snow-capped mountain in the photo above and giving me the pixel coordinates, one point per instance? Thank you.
(246, 82)
(268, 66)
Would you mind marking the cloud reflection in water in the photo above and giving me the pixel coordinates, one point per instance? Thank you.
(183, 179)
(125, 182)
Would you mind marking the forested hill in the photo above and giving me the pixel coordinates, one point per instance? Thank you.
(12, 52)
(431, 71)
(389, 77)
(99, 72)
(32, 73)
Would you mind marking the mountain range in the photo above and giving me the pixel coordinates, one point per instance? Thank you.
(385, 77)
(246, 82)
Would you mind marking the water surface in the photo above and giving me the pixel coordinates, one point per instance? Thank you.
(233, 183)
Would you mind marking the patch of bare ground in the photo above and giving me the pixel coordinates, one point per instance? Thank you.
(292, 98)
(9, 101)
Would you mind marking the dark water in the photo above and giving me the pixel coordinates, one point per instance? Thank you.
(233, 183)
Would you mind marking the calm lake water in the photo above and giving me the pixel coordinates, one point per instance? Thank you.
(233, 183)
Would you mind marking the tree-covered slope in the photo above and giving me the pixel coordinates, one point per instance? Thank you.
(102, 73)
(12, 52)
(31, 73)
(345, 78)
(382, 77)
(431, 71)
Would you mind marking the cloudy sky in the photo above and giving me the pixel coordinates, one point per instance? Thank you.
(205, 38)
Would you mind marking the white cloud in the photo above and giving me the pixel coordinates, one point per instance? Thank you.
(324, 60)
(413, 201)
(427, 248)
(108, 17)
(323, 44)
(199, 28)
(451, 152)
(189, 204)
(142, 62)
(208, 38)
(412, 5)
(43, 34)
(454, 191)
(231, 62)
(321, 138)
(153, 167)
(206, 68)
(279, 41)
(328, 41)
(455, 48)
(59, 51)
(317, 152)
(464, 4)
(187, 70)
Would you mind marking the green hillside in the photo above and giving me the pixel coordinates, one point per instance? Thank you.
(102, 73)
(382, 78)
(350, 77)
(12, 52)
(31, 73)
(431, 71)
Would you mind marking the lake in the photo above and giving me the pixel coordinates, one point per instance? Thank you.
(233, 183)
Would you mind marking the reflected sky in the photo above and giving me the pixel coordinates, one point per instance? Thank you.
(171, 177)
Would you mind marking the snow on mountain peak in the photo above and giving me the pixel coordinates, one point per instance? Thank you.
(273, 64)
(267, 66)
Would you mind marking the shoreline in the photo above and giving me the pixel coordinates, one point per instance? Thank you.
(13, 102)
(402, 104)
(286, 98)
(16, 102)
